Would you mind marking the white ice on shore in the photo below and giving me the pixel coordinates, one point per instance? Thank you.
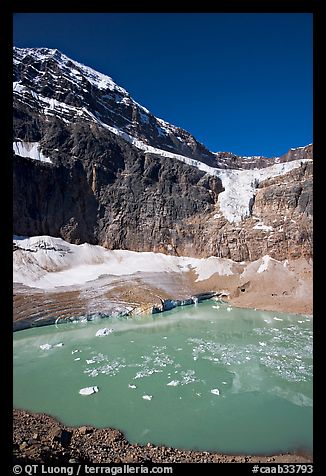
(46, 262)
(88, 390)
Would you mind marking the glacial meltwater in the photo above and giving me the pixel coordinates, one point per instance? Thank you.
(201, 377)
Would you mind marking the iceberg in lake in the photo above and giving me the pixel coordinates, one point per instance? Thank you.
(88, 390)
(45, 346)
(173, 383)
(90, 361)
(215, 391)
(49, 346)
(147, 397)
(104, 332)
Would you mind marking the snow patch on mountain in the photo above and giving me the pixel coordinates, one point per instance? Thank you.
(31, 150)
(262, 226)
(264, 264)
(97, 79)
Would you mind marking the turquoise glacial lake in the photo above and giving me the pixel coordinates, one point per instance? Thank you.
(236, 381)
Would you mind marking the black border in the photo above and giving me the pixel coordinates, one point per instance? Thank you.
(7, 10)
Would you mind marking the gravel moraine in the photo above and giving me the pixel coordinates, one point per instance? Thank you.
(39, 438)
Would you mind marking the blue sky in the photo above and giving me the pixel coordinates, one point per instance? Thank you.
(239, 82)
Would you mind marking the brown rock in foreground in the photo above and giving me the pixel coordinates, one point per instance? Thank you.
(39, 438)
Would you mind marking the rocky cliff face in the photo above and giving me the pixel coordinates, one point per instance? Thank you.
(92, 165)
(227, 160)
(115, 196)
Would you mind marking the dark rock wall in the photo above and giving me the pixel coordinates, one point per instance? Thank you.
(107, 193)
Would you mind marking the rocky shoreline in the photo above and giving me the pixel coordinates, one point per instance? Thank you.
(39, 438)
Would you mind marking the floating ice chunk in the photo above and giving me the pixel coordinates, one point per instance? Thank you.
(147, 397)
(215, 307)
(215, 391)
(74, 351)
(199, 394)
(224, 383)
(131, 386)
(58, 345)
(179, 348)
(88, 390)
(229, 308)
(173, 383)
(77, 358)
(263, 344)
(164, 337)
(277, 319)
(90, 361)
(268, 321)
(248, 358)
(300, 322)
(45, 346)
(103, 332)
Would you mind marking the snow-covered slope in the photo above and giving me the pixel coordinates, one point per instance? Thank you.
(45, 262)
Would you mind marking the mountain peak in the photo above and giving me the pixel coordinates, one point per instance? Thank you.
(47, 79)
(98, 79)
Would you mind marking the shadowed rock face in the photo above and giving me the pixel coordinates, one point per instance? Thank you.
(101, 189)
(113, 195)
